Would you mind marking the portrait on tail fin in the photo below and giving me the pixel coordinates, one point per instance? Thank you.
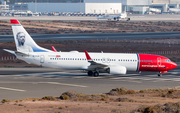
(21, 38)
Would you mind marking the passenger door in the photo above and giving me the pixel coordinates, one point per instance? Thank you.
(41, 58)
(159, 62)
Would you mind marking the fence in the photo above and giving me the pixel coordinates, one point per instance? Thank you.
(4, 58)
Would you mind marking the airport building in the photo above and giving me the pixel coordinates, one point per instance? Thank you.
(96, 6)
(4, 6)
(165, 5)
(87, 6)
(19, 6)
(136, 6)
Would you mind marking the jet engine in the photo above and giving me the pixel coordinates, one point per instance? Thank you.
(115, 69)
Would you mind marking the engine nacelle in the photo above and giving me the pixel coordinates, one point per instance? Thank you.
(117, 70)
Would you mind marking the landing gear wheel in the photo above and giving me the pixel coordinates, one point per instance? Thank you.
(159, 75)
(96, 74)
(90, 73)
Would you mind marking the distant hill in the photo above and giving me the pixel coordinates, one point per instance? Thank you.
(42, 1)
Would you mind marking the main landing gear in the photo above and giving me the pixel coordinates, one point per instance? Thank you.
(95, 73)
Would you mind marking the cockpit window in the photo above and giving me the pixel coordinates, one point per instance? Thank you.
(168, 60)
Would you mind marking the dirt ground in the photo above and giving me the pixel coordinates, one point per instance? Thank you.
(122, 103)
(64, 27)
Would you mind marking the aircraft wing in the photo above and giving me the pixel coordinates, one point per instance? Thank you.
(94, 65)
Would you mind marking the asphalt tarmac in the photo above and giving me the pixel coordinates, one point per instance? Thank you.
(134, 17)
(96, 36)
(20, 83)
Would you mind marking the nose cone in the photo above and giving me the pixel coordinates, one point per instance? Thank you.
(173, 65)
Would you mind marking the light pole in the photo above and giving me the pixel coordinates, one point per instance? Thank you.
(80, 6)
(35, 6)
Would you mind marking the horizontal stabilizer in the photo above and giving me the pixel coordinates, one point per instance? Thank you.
(10, 51)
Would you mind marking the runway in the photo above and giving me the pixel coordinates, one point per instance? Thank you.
(19, 83)
(134, 18)
(96, 36)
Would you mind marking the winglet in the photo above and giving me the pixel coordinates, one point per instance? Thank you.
(53, 48)
(87, 55)
(14, 21)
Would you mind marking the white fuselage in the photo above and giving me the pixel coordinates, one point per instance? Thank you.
(120, 16)
(78, 61)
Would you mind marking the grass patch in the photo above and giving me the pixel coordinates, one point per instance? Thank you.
(121, 91)
(72, 95)
(166, 108)
(60, 108)
(49, 98)
(20, 105)
(5, 100)
(64, 97)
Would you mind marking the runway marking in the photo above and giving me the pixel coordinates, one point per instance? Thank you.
(12, 89)
(147, 79)
(56, 83)
(80, 77)
(134, 81)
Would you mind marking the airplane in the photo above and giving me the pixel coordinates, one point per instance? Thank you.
(174, 10)
(94, 63)
(120, 16)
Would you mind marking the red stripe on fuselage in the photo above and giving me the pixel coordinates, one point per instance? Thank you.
(154, 63)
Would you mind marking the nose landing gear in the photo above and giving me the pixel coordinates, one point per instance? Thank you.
(160, 75)
(161, 72)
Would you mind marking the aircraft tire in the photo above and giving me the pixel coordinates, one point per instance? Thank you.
(128, 19)
(96, 74)
(159, 75)
(90, 73)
